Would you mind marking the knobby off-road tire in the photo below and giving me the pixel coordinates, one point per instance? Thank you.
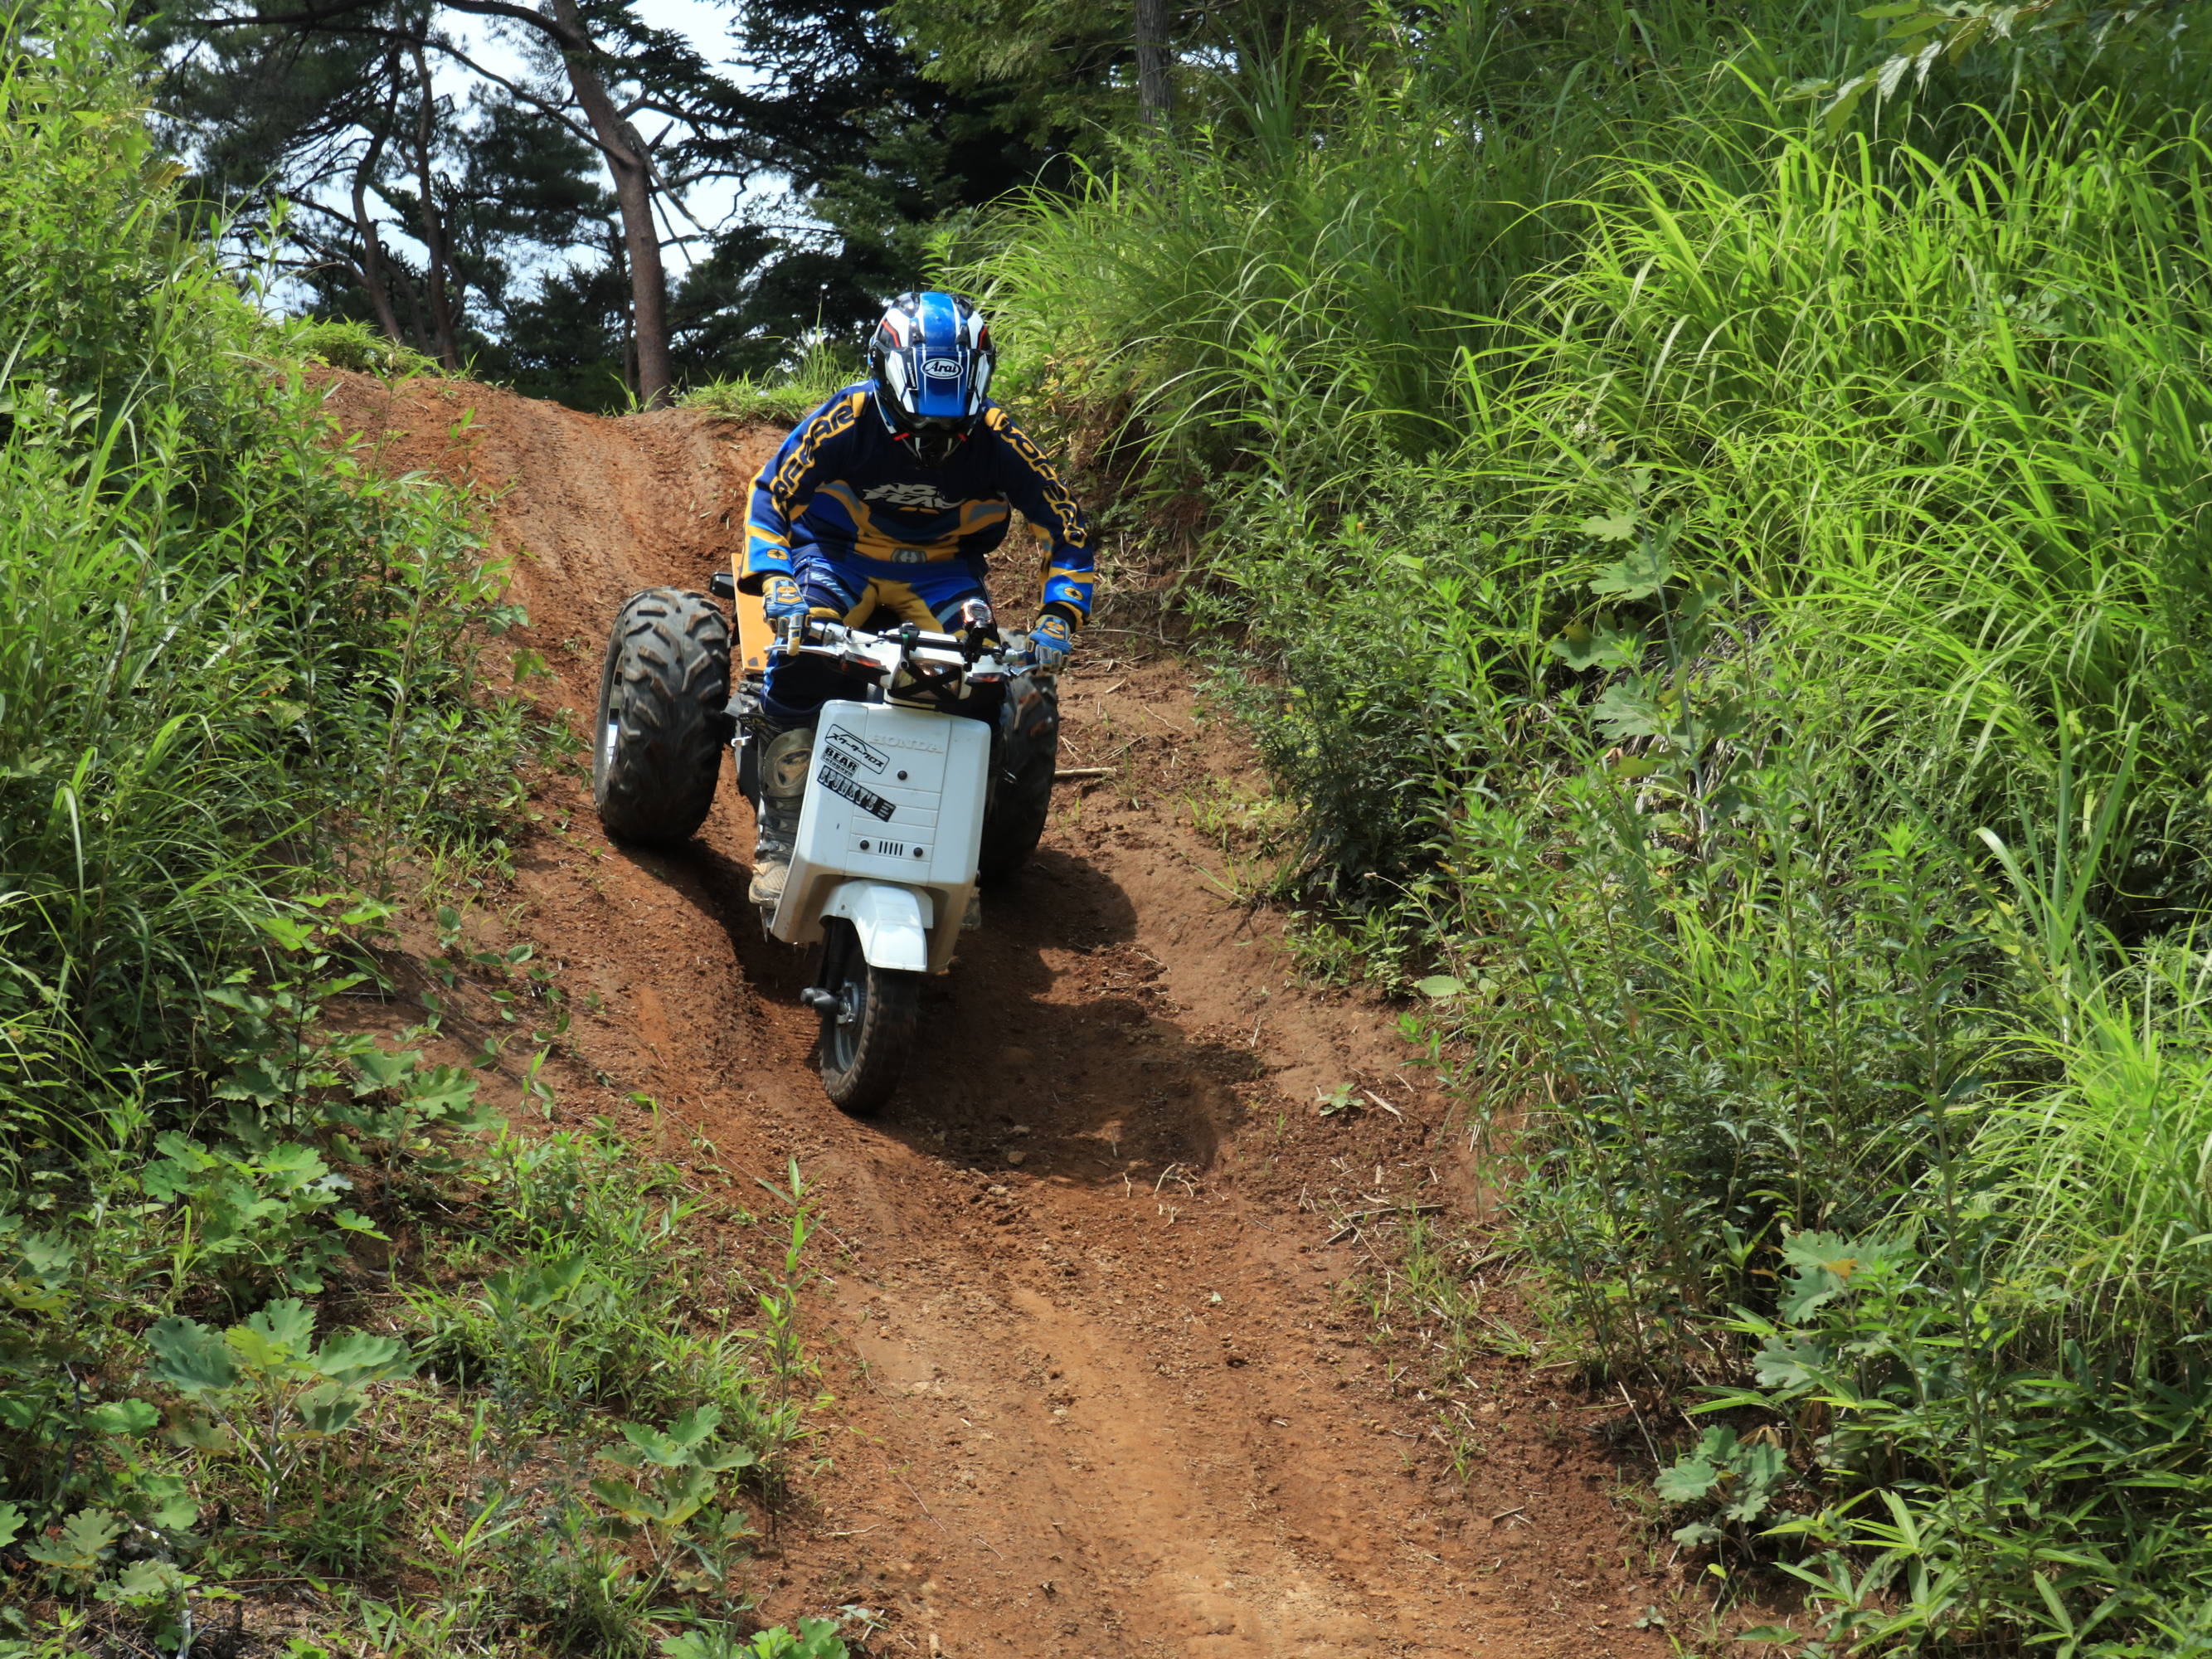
(664, 693)
(1020, 805)
(863, 1054)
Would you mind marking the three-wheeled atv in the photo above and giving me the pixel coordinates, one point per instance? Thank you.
(912, 803)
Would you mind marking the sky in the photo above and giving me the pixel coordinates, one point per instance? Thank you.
(707, 23)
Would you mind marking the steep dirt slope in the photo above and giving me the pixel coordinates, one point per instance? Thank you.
(1102, 1386)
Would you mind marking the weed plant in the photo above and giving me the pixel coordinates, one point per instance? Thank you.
(1732, 594)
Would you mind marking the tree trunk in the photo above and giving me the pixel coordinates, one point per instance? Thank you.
(434, 244)
(633, 177)
(364, 221)
(626, 363)
(1155, 92)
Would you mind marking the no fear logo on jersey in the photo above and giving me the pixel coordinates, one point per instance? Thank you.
(922, 496)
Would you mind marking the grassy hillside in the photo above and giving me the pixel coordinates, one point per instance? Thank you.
(1734, 587)
(295, 1340)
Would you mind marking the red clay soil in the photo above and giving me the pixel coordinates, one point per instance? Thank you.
(1103, 1386)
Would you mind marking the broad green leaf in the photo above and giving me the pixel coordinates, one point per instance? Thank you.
(1847, 99)
(11, 1524)
(440, 1091)
(1441, 985)
(48, 1260)
(286, 1322)
(1830, 1251)
(537, 1286)
(260, 1080)
(153, 1581)
(1717, 1445)
(330, 1408)
(124, 1416)
(1964, 38)
(362, 911)
(818, 1640)
(654, 1446)
(1911, 28)
(1807, 1294)
(85, 1536)
(1792, 1363)
(1639, 576)
(290, 932)
(195, 1432)
(696, 1424)
(382, 1069)
(1686, 1480)
(189, 1356)
(165, 1180)
(1761, 1467)
(721, 1462)
(622, 1498)
(358, 1357)
(291, 1165)
(1625, 712)
(1582, 648)
(678, 1507)
(1612, 527)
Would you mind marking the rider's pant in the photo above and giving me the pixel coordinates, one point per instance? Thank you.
(852, 590)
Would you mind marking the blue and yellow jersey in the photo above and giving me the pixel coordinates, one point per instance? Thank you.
(842, 486)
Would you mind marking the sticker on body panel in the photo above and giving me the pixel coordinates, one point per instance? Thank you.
(838, 782)
(853, 752)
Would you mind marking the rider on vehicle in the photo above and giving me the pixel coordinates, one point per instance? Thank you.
(889, 497)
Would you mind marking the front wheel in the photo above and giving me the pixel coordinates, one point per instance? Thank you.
(664, 693)
(868, 1029)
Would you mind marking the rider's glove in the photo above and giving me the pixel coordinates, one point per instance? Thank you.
(1050, 641)
(782, 598)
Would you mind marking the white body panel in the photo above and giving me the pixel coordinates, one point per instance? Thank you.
(895, 798)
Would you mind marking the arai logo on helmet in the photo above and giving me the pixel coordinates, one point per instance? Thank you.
(941, 368)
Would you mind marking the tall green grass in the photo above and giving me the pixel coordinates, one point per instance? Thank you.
(1734, 616)
(236, 660)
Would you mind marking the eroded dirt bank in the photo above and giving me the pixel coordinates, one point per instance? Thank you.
(1102, 1389)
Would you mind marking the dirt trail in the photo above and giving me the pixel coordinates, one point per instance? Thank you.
(1102, 1388)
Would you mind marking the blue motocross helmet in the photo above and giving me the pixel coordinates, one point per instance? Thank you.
(931, 360)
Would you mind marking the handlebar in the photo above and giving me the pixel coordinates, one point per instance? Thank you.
(907, 658)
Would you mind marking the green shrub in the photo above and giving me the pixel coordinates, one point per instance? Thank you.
(353, 345)
(236, 654)
(784, 398)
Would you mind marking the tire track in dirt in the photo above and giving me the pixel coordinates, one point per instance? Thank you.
(1102, 1389)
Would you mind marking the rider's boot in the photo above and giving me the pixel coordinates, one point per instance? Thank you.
(786, 758)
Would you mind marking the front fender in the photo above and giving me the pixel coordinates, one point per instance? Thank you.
(892, 922)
